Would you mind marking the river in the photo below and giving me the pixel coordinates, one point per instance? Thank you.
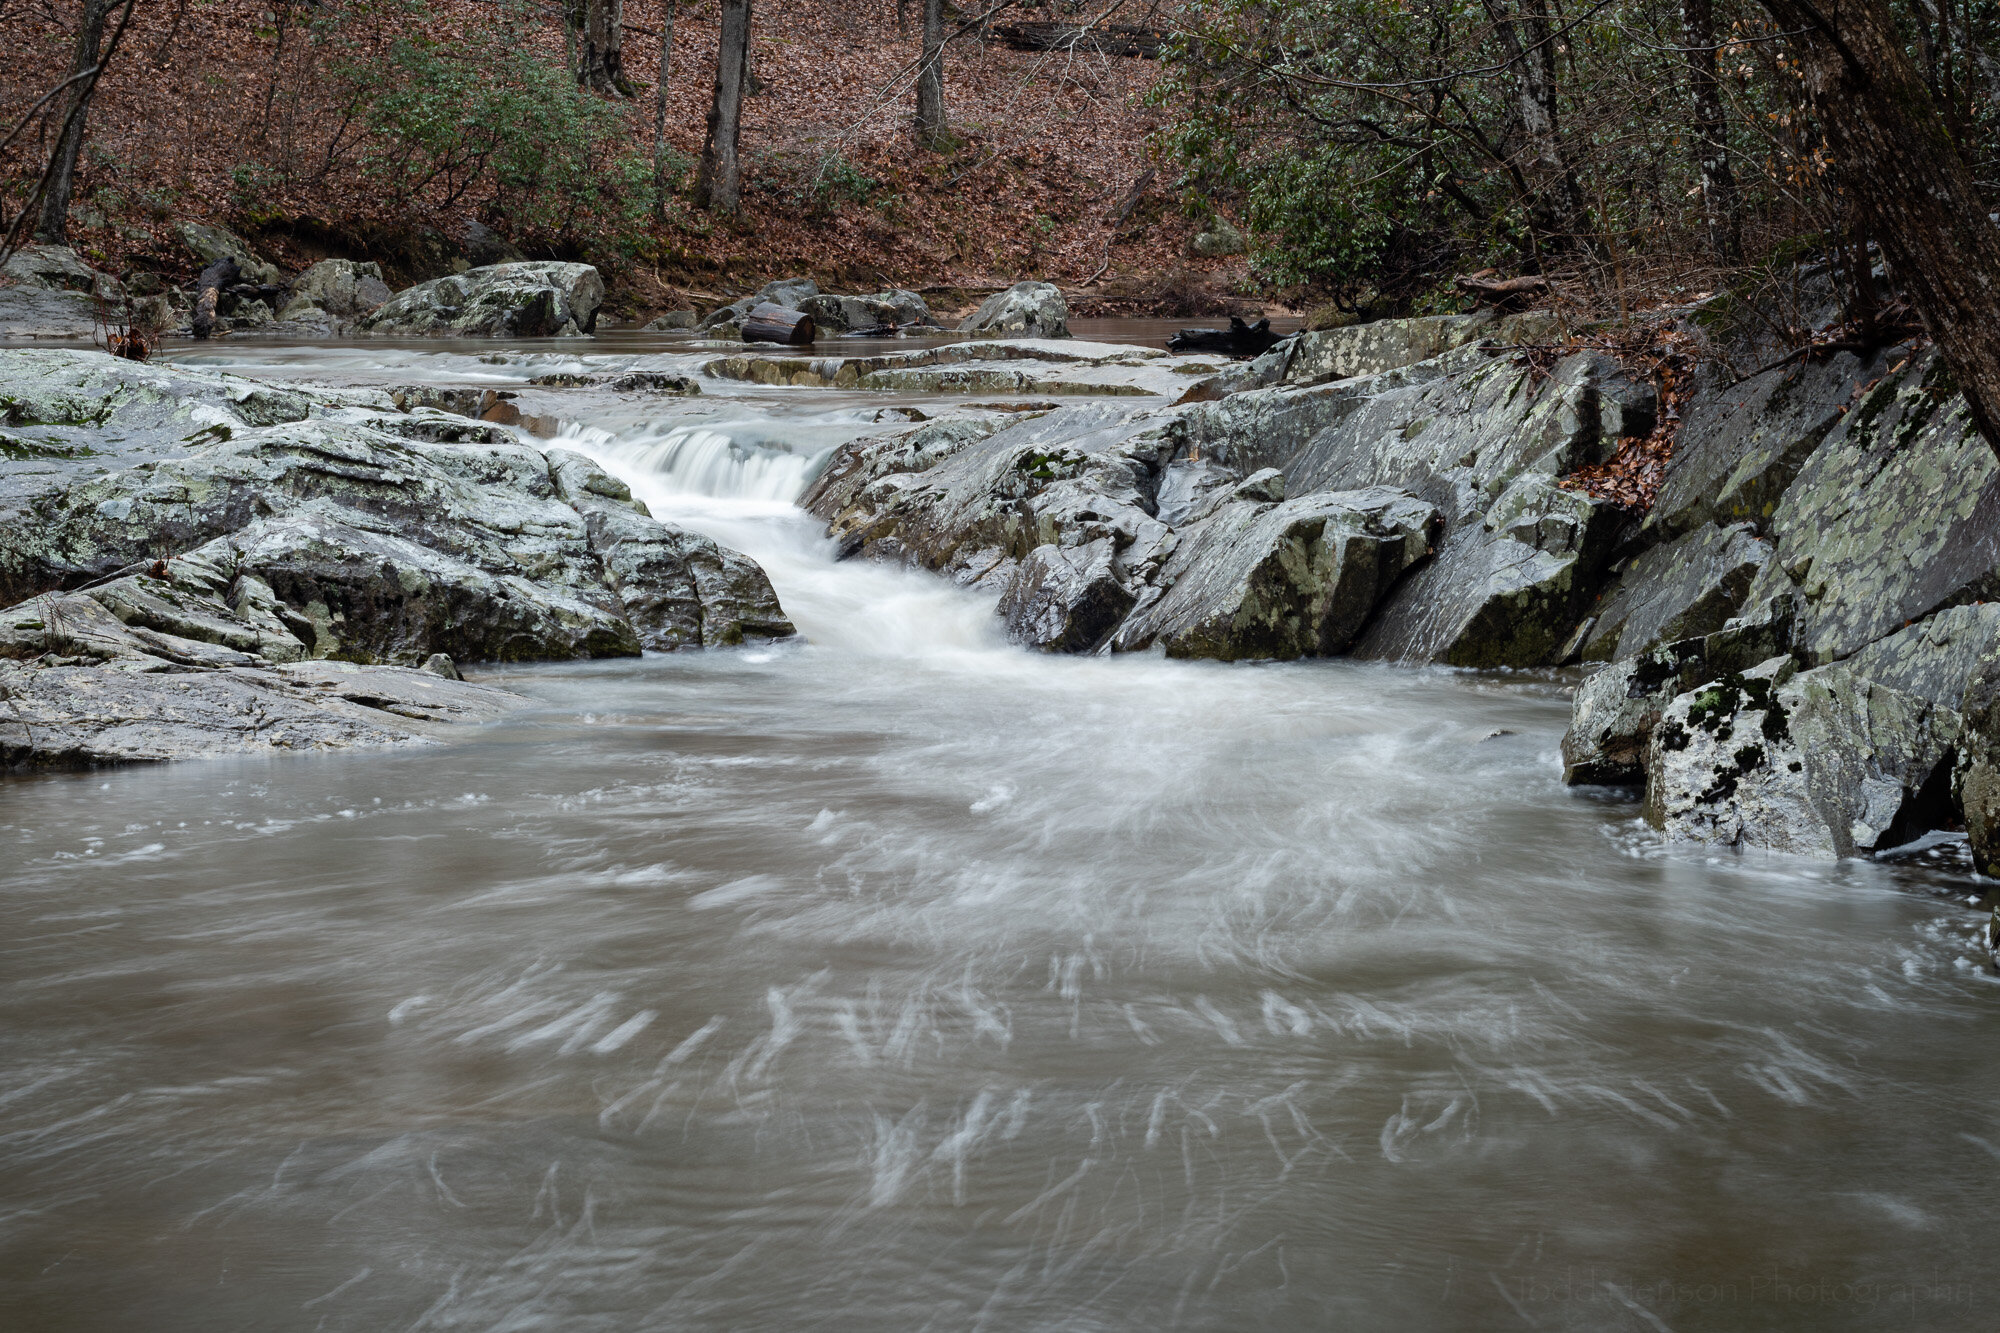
(899, 979)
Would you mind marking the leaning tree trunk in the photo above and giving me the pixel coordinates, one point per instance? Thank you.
(667, 12)
(53, 227)
(930, 126)
(1558, 208)
(1721, 207)
(718, 184)
(601, 64)
(1911, 190)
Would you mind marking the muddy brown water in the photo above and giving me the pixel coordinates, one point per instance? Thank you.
(899, 979)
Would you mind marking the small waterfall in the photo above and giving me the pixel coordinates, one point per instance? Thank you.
(738, 482)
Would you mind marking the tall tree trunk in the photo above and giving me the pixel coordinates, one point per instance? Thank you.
(1721, 207)
(53, 227)
(1910, 188)
(1559, 211)
(667, 12)
(601, 65)
(931, 127)
(718, 184)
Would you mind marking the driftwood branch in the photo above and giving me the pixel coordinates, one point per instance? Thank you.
(1503, 293)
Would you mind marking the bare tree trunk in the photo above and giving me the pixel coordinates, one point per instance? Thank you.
(53, 228)
(1910, 188)
(1558, 207)
(931, 128)
(718, 184)
(601, 66)
(667, 12)
(1721, 207)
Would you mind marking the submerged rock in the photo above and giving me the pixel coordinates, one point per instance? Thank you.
(538, 299)
(1025, 310)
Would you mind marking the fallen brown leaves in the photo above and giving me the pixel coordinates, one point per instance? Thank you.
(1039, 181)
(1631, 477)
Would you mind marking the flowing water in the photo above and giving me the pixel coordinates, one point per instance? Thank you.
(900, 979)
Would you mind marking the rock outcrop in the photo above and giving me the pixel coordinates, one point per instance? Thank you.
(536, 299)
(1025, 310)
(383, 535)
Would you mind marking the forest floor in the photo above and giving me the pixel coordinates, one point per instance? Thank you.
(1049, 174)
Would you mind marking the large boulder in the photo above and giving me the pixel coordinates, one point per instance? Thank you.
(334, 293)
(837, 314)
(47, 291)
(211, 245)
(1740, 446)
(1685, 588)
(355, 531)
(1826, 764)
(537, 299)
(1508, 590)
(1895, 515)
(1978, 775)
(1389, 344)
(1293, 579)
(1066, 599)
(1025, 310)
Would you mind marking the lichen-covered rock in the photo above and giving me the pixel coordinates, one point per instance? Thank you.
(1293, 579)
(212, 244)
(897, 307)
(1681, 589)
(1978, 772)
(334, 293)
(1505, 591)
(1065, 599)
(1935, 659)
(57, 268)
(1827, 764)
(1895, 515)
(1109, 369)
(1616, 708)
(538, 299)
(1025, 310)
(1739, 447)
(1069, 477)
(1389, 344)
(352, 532)
(836, 495)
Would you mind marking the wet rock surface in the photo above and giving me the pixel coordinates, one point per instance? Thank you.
(236, 527)
(536, 299)
(1025, 310)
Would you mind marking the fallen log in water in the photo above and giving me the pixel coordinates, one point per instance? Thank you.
(1239, 339)
(770, 323)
